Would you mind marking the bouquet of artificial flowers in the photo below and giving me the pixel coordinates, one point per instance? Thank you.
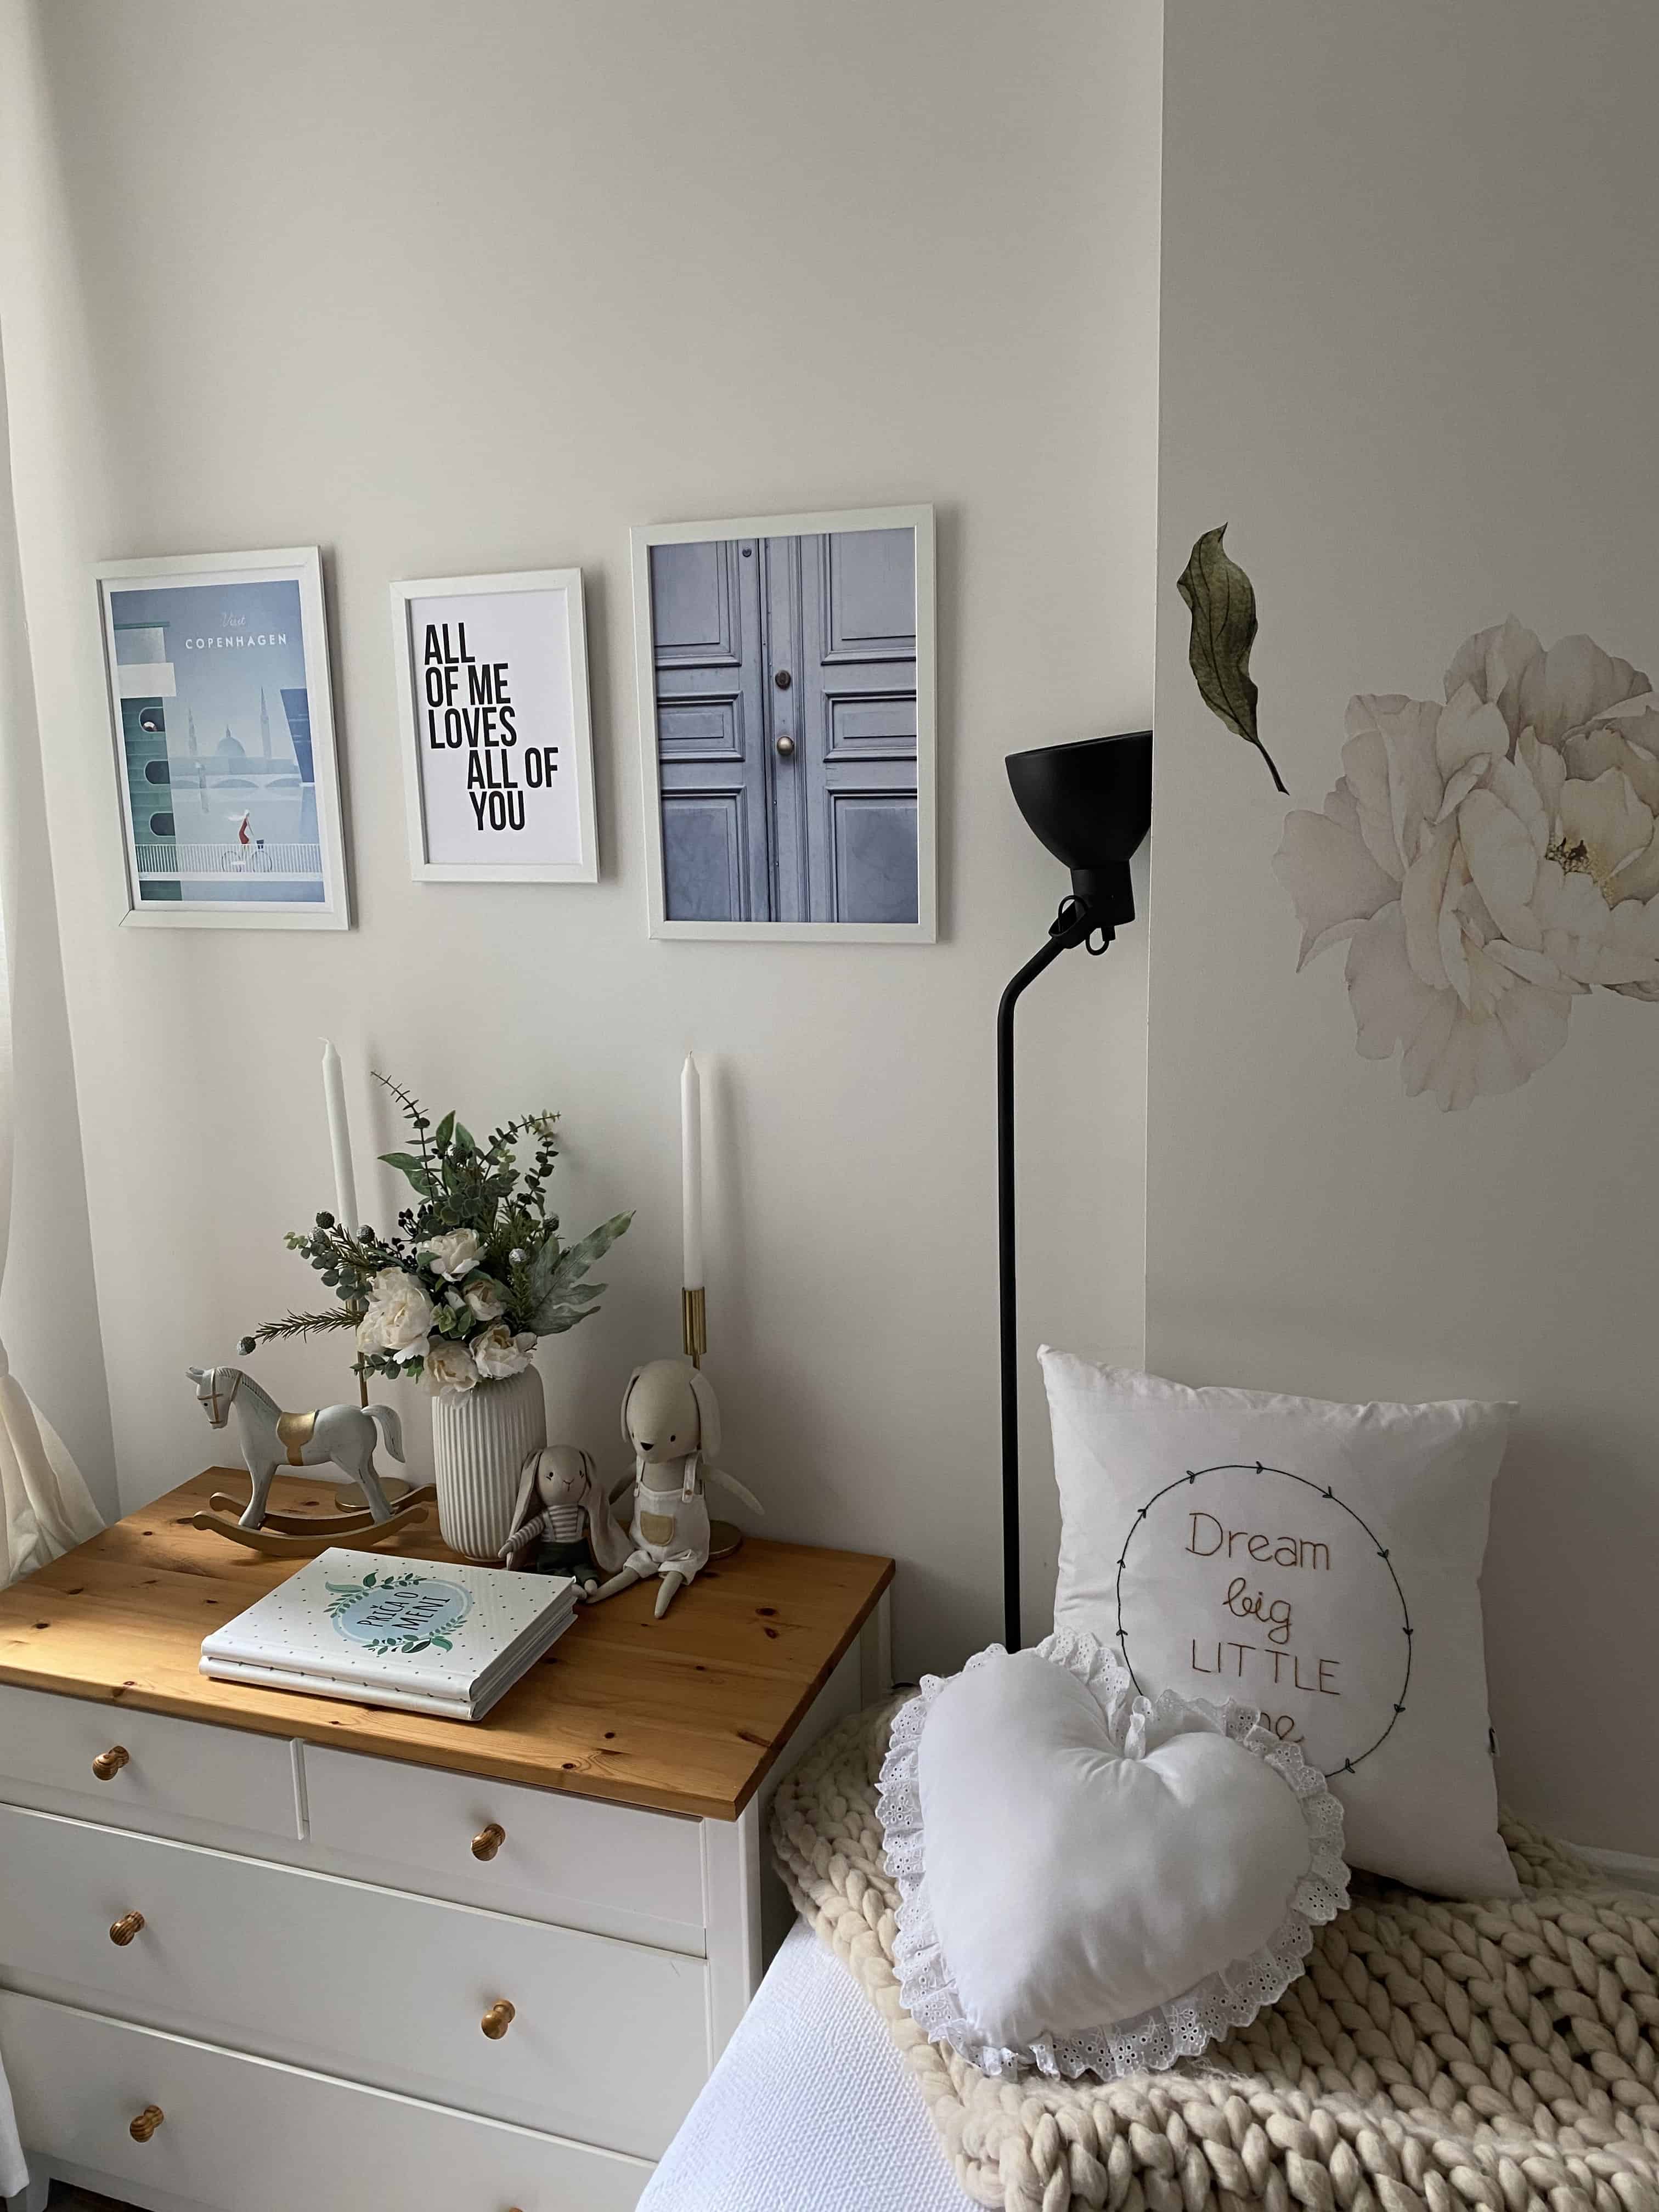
(475, 1270)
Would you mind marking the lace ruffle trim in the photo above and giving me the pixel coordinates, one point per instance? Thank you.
(1182, 2025)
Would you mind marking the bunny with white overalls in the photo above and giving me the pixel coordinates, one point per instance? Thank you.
(671, 1418)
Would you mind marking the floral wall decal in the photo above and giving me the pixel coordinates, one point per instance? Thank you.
(1222, 601)
(1487, 860)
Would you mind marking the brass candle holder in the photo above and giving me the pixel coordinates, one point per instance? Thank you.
(694, 1324)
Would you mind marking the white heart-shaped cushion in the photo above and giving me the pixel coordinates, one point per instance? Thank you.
(1074, 1858)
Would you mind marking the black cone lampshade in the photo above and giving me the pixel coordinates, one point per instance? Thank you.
(1090, 804)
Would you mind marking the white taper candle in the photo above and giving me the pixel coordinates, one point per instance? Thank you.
(339, 1139)
(691, 1171)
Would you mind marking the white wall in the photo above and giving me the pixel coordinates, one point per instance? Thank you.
(449, 290)
(1409, 319)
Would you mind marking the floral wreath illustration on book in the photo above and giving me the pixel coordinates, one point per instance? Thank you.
(404, 1613)
(1486, 861)
(1276, 1616)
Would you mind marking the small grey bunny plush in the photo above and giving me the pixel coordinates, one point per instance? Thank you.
(574, 1532)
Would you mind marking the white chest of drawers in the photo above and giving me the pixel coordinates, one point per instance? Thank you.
(345, 1958)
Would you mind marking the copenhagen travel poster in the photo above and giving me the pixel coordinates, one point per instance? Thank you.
(224, 745)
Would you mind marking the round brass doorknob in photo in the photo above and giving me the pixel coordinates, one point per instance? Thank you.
(145, 2125)
(489, 1841)
(783, 679)
(786, 744)
(500, 2017)
(108, 1763)
(123, 1931)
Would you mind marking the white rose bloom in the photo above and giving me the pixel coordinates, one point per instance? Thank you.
(485, 1299)
(449, 1368)
(1488, 859)
(399, 1313)
(498, 1353)
(455, 1254)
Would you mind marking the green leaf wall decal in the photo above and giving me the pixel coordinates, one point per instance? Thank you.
(1222, 599)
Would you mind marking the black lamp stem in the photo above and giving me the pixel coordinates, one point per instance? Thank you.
(1076, 919)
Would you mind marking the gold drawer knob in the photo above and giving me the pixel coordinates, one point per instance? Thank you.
(500, 2017)
(489, 1841)
(122, 1931)
(145, 2125)
(108, 1763)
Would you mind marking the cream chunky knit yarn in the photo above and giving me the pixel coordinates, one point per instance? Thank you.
(1435, 2056)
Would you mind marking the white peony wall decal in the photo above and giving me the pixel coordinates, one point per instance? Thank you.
(1487, 860)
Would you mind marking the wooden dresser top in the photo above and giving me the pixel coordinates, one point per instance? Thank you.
(684, 1715)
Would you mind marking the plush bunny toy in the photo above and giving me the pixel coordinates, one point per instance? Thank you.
(574, 1530)
(671, 1418)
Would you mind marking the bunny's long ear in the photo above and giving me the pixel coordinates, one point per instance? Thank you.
(709, 1413)
(627, 1394)
(527, 1475)
(609, 1544)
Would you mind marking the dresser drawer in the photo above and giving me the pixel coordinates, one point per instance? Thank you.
(604, 1868)
(170, 1770)
(608, 2043)
(243, 2134)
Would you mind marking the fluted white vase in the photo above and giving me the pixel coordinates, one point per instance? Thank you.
(480, 1439)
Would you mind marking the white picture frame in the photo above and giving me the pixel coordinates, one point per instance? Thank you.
(198, 643)
(815, 701)
(475, 782)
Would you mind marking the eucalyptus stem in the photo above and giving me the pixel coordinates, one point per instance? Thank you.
(304, 1324)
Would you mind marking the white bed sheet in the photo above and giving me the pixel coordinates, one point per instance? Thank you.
(810, 2109)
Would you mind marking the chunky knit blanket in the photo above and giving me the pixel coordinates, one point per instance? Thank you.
(1435, 2056)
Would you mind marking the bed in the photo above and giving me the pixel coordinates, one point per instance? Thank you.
(777, 2129)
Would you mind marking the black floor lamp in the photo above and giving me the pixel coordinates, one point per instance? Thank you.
(1090, 804)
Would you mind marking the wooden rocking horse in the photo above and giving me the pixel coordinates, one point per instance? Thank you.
(342, 1436)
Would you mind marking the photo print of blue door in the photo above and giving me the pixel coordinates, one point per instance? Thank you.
(785, 714)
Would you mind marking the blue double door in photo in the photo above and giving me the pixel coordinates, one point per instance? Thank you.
(785, 675)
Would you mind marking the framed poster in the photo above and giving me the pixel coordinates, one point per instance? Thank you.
(498, 747)
(217, 679)
(786, 688)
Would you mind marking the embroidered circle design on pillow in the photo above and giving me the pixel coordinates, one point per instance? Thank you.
(1292, 1591)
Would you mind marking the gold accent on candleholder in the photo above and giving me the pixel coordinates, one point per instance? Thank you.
(694, 1324)
(145, 2125)
(725, 1537)
(123, 1931)
(489, 1841)
(108, 1763)
(500, 2017)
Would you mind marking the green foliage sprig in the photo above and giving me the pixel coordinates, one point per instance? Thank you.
(475, 1270)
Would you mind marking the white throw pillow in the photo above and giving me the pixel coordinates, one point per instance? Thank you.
(1090, 1881)
(1321, 1562)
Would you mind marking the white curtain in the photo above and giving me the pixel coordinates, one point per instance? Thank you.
(45, 1505)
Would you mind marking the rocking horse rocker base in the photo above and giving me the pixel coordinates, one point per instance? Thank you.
(301, 1535)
